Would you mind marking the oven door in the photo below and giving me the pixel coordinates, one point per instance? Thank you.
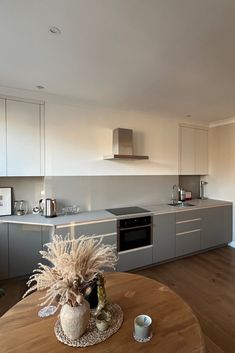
(134, 237)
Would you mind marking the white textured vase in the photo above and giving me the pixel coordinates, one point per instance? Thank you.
(74, 320)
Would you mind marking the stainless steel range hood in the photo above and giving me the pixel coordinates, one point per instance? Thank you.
(123, 145)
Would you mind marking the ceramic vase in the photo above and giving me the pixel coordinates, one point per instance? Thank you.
(74, 320)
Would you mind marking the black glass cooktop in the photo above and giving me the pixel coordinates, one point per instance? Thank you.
(122, 211)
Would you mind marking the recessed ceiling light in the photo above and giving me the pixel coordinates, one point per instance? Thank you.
(54, 30)
(40, 87)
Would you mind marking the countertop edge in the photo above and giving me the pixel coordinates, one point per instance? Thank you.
(172, 209)
(100, 216)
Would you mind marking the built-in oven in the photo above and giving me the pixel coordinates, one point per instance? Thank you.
(134, 233)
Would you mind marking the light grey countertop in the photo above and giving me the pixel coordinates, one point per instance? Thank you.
(81, 217)
(197, 204)
(102, 215)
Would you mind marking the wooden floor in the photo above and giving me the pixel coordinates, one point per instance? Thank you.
(14, 290)
(206, 282)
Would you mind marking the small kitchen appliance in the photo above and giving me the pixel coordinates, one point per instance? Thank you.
(122, 211)
(48, 207)
(202, 189)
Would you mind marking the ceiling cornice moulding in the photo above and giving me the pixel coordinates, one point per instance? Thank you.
(222, 122)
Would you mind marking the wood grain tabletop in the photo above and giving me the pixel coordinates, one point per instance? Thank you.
(175, 327)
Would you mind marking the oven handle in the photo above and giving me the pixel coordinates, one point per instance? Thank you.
(137, 227)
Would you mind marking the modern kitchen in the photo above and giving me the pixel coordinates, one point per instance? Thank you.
(150, 173)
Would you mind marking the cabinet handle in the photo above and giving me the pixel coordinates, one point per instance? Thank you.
(137, 227)
(101, 235)
(136, 249)
(76, 223)
(190, 231)
(188, 220)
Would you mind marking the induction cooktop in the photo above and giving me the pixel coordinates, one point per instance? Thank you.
(122, 211)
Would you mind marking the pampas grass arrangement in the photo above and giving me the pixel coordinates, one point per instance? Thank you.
(73, 265)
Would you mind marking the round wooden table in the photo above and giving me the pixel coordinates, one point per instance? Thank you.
(175, 327)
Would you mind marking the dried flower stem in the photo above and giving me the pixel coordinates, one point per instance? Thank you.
(74, 263)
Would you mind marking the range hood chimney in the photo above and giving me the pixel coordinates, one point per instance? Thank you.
(123, 145)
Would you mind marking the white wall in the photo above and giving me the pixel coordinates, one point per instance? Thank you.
(77, 138)
(221, 179)
(79, 134)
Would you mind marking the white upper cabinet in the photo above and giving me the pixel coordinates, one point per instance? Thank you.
(3, 162)
(22, 142)
(201, 155)
(193, 154)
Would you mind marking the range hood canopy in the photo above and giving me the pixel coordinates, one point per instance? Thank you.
(123, 145)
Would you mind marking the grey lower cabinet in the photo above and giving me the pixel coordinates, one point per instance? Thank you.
(105, 230)
(135, 258)
(216, 225)
(188, 243)
(188, 232)
(174, 234)
(46, 234)
(163, 237)
(93, 229)
(25, 242)
(4, 258)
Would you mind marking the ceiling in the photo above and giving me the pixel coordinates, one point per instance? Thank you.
(169, 57)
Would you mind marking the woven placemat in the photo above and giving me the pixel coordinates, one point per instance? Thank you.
(93, 335)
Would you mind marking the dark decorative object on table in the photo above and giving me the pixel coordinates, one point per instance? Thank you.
(92, 298)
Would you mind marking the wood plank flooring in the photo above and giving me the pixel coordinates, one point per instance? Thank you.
(206, 282)
(14, 290)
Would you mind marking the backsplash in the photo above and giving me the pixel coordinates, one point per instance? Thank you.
(190, 183)
(25, 188)
(100, 192)
(93, 192)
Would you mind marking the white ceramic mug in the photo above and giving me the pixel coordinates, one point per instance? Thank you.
(142, 327)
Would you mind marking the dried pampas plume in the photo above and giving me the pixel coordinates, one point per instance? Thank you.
(73, 265)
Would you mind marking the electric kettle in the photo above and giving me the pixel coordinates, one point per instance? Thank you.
(48, 207)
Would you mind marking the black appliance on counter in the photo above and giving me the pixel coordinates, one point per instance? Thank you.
(133, 232)
(122, 211)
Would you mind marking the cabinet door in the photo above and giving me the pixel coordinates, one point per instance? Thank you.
(107, 230)
(193, 151)
(187, 150)
(163, 237)
(3, 140)
(25, 241)
(201, 152)
(46, 234)
(99, 228)
(188, 242)
(216, 226)
(3, 250)
(23, 138)
(136, 258)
